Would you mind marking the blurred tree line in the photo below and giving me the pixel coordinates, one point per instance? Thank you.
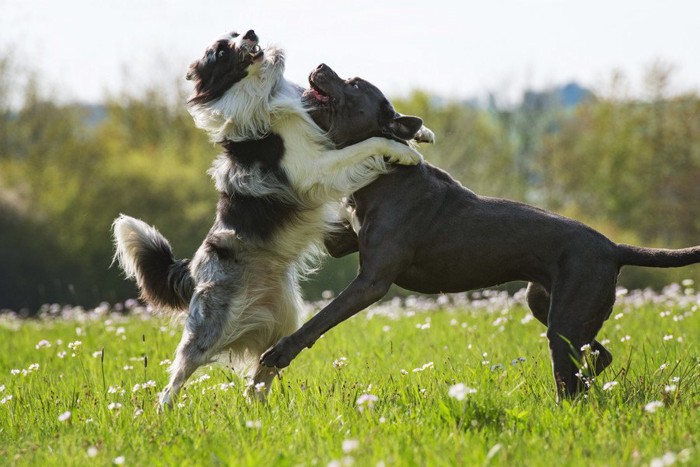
(629, 167)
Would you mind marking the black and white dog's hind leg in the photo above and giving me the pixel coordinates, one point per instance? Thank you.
(146, 256)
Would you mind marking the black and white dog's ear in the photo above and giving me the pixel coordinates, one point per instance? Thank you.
(404, 127)
(424, 135)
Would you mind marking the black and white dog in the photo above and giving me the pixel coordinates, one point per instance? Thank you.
(277, 179)
(419, 228)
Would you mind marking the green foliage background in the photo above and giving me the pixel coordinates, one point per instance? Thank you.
(629, 167)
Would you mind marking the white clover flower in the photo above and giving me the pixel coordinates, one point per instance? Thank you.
(609, 385)
(42, 344)
(366, 400)
(668, 458)
(350, 445)
(340, 363)
(64, 416)
(114, 406)
(460, 391)
(75, 345)
(653, 406)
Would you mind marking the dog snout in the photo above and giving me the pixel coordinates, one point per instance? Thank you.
(251, 37)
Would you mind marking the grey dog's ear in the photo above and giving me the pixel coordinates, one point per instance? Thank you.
(404, 127)
(424, 135)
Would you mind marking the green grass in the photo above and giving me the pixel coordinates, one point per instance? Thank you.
(313, 418)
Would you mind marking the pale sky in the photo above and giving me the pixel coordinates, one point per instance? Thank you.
(83, 49)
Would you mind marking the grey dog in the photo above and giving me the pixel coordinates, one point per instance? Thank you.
(424, 231)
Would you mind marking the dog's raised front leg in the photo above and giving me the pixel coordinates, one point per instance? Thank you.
(377, 273)
(376, 146)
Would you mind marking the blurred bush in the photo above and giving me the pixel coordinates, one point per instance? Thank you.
(629, 167)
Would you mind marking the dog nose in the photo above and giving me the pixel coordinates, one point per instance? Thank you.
(251, 36)
(322, 67)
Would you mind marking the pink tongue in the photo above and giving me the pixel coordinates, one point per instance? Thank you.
(319, 96)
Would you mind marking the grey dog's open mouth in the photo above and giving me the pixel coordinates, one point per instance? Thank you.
(317, 92)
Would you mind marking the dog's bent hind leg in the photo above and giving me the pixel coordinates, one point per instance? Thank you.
(201, 341)
(578, 308)
(538, 299)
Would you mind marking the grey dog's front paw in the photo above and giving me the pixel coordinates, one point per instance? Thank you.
(281, 354)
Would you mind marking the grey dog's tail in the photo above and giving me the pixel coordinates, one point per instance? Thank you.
(657, 257)
(146, 256)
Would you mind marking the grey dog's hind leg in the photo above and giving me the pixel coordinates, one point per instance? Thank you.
(538, 299)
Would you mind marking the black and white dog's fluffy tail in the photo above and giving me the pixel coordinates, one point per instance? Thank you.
(146, 256)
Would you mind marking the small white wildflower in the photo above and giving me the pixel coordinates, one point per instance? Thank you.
(6, 399)
(2, 387)
(138, 412)
(74, 345)
(663, 367)
(404, 372)
(350, 445)
(43, 344)
(15, 372)
(114, 406)
(424, 367)
(257, 424)
(366, 400)
(89, 420)
(586, 348)
(668, 337)
(675, 379)
(165, 362)
(64, 416)
(115, 390)
(619, 316)
(653, 406)
(92, 451)
(33, 367)
(386, 328)
(260, 387)
(625, 338)
(340, 363)
(668, 458)
(62, 354)
(97, 354)
(459, 391)
(609, 385)
(120, 331)
(128, 367)
(119, 460)
(670, 388)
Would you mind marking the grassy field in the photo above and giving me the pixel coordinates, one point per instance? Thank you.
(418, 382)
